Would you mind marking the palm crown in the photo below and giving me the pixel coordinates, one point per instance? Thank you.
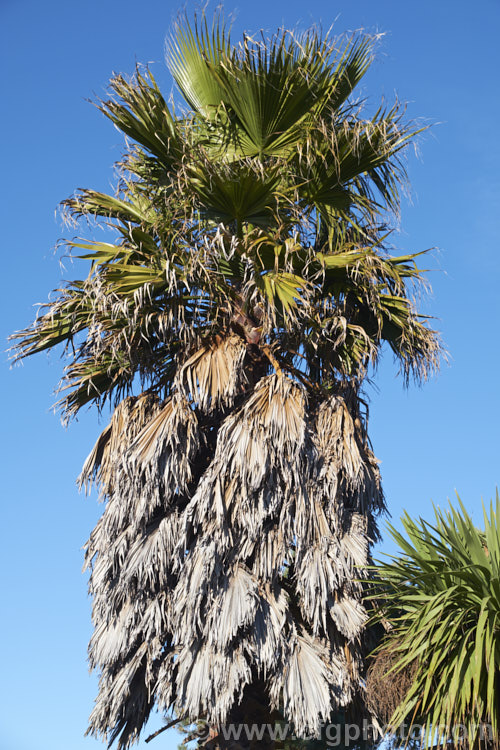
(248, 290)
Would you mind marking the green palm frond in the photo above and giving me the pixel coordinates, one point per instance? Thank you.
(344, 166)
(269, 89)
(232, 194)
(196, 56)
(135, 209)
(140, 111)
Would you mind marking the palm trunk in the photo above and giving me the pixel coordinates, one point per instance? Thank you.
(249, 725)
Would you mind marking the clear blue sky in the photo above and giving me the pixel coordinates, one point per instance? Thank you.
(441, 57)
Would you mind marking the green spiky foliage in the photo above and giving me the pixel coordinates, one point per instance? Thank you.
(245, 295)
(443, 603)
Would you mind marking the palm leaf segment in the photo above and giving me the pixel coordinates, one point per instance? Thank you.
(247, 289)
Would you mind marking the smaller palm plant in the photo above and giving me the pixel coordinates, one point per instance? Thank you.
(443, 608)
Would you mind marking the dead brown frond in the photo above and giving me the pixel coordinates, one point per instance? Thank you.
(213, 375)
(128, 419)
(386, 688)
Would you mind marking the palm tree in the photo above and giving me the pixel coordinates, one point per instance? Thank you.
(245, 294)
(439, 667)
